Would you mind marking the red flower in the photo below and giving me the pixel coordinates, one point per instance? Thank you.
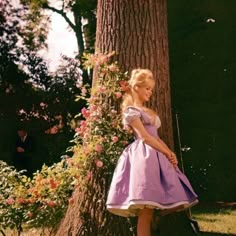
(124, 85)
(20, 200)
(51, 203)
(52, 183)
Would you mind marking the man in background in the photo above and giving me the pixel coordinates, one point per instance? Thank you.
(23, 153)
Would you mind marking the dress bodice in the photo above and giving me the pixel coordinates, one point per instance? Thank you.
(132, 113)
(151, 123)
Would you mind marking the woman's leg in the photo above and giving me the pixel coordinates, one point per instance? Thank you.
(144, 222)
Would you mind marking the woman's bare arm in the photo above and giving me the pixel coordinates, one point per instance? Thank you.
(156, 143)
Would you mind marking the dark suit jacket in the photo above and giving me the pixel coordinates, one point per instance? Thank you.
(23, 160)
(27, 145)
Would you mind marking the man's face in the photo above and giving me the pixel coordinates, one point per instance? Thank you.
(21, 133)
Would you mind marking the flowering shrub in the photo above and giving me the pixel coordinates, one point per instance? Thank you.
(13, 189)
(100, 137)
(99, 140)
(25, 201)
(48, 195)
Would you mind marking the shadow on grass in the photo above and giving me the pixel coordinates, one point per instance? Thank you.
(214, 234)
(213, 208)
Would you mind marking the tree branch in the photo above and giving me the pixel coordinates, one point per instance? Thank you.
(62, 13)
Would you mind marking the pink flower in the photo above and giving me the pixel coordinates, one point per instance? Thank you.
(45, 117)
(127, 128)
(102, 89)
(113, 68)
(99, 58)
(99, 163)
(104, 70)
(125, 143)
(113, 111)
(22, 111)
(42, 104)
(115, 139)
(70, 161)
(83, 123)
(93, 107)
(7, 90)
(86, 136)
(30, 214)
(77, 130)
(92, 99)
(89, 175)
(86, 150)
(82, 129)
(118, 95)
(98, 148)
(78, 166)
(85, 112)
(10, 201)
(71, 200)
(36, 114)
(114, 124)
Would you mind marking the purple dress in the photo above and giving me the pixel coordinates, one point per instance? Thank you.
(144, 177)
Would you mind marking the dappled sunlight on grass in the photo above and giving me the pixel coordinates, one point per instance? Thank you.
(216, 219)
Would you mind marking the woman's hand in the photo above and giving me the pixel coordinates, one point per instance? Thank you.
(173, 159)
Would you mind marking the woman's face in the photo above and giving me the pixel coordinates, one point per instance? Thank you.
(144, 93)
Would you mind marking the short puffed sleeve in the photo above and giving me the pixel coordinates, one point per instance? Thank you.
(130, 115)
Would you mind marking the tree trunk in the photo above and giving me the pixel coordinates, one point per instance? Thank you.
(137, 31)
(78, 27)
(88, 215)
(76, 9)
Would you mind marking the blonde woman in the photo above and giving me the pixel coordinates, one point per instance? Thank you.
(147, 176)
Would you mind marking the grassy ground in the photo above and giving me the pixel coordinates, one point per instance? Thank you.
(216, 219)
(213, 220)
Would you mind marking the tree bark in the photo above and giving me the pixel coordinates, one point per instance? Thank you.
(88, 215)
(137, 31)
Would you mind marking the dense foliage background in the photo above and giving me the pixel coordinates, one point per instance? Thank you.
(202, 67)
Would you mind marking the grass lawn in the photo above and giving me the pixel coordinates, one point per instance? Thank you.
(213, 220)
(216, 219)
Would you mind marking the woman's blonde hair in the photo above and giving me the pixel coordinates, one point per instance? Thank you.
(139, 77)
